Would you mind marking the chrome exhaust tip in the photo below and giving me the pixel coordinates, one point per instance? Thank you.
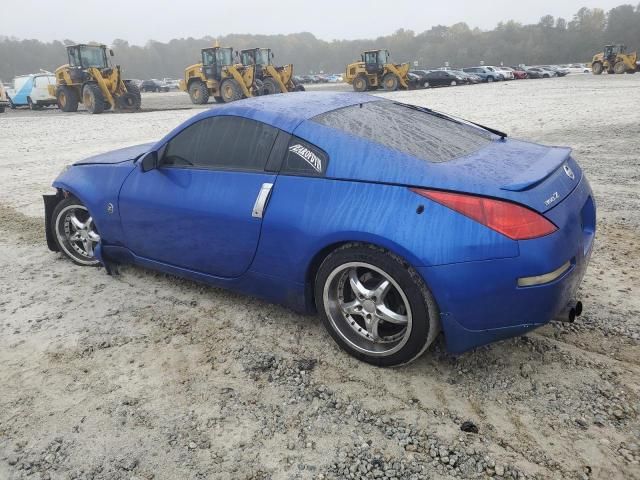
(569, 313)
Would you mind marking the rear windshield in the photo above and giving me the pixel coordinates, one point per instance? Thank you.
(416, 133)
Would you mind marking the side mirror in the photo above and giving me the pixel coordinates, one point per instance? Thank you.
(149, 161)
(111, 52)
(273, 55)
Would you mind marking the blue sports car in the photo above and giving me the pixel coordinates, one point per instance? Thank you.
(393, 222)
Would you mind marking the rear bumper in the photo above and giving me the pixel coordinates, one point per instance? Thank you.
(481, 302)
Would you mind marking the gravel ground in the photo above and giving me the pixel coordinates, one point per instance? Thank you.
(146, 376)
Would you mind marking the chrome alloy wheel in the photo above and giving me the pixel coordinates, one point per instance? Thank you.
(367, 308)
(77, 234)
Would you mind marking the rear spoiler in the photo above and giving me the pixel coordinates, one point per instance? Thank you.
(539, 170)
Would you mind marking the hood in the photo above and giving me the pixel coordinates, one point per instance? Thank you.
(117, 156)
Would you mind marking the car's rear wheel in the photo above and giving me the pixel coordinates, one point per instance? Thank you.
(375, 305)
(75, 232)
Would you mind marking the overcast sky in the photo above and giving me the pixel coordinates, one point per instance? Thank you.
(141, 20)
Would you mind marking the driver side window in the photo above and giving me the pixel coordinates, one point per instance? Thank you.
(223, 142)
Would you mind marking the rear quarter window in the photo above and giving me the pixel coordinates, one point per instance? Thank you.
(413, 132)
(304, 158)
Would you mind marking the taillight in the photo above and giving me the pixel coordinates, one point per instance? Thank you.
(514, 221)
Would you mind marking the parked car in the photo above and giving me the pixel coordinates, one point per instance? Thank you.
(485, 73)
(32, 91)
(442, 78)
(559, 71)
(154, 86)
(172, 83)
(468, 78)
(498, 72)
(579, 68)
(421, 74)
(506, 72)
(4, 101)
(335, 78)
(519, 73)
(467, 227)
(537, 72)
(307, 79)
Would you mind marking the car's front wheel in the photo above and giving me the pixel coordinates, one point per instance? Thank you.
(75, 231)
(375, 305)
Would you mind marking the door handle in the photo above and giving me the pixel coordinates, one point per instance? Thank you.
(261, 200)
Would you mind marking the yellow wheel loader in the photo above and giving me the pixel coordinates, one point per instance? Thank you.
(615, 59)
(269, 78)
(219, 77)
(89, 79)
(375, 70)
(4, 101)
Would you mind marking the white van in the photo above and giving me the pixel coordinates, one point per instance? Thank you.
(32, 90)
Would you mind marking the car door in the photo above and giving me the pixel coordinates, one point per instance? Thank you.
(200, 209)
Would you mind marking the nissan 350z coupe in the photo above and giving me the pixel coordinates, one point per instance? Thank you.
(393, 222)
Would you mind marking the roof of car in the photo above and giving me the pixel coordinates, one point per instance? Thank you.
(287, 111)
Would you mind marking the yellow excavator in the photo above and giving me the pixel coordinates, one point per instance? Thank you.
(90, 79)
(375, 70)
(270, 79)
(615, 59)
(218, 76)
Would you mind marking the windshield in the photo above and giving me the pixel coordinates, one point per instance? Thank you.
(91, 57)
(208, 57)
(262, 56)
(378, 57)
(224, 56)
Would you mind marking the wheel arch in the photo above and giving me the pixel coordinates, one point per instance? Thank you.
(334, 244)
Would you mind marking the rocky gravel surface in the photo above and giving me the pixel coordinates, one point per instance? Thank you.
(147, 376)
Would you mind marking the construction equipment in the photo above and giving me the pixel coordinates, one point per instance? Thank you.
(270, 79)
(375, 70)
(615, 59)
(90, 79)
(4, 101)
(218, 76)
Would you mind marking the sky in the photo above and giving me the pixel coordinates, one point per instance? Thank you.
(141, 20)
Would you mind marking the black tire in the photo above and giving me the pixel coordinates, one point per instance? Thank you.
(390, 82)
(133, 90)
(619, 68)
(270, 86)
(67, 98)
(361, 83)
(490, 79)
(230, 90)
(2, 109)
(453, 83)
(63, 228)
(33, 105)
(597, 68)
(546, 75)
(199, 93)
(92, 98)
(406, 288)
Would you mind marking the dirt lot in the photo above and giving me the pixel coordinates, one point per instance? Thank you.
(148, 376)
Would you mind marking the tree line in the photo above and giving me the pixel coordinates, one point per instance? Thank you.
(551, 40)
